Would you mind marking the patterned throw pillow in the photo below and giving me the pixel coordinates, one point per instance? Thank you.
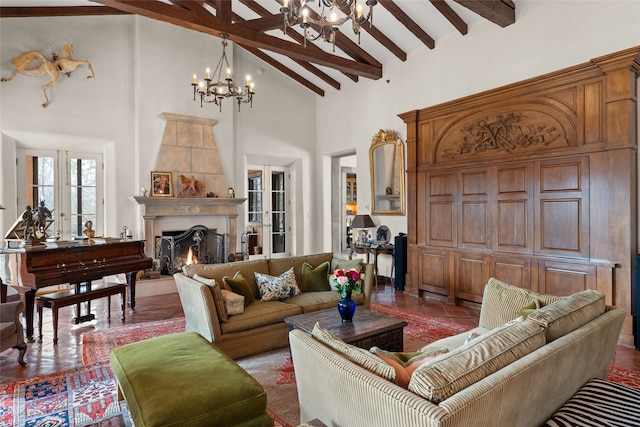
(240, 286)
(277, 288)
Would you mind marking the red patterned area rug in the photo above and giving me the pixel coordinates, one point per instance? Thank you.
(97, 345)
(85, 396)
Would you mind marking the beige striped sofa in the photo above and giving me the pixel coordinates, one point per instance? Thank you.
(261, 326)
(516, 373)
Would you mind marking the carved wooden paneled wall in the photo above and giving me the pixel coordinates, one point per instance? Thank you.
(534, 183)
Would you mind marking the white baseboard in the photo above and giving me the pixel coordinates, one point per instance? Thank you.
(151, 287)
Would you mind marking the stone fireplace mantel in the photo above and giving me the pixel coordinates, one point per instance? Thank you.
(154, 207)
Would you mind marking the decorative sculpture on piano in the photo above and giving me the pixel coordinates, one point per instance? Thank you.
(28, 224)
(31, 227)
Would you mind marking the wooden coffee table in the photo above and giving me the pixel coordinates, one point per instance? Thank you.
(368, 329)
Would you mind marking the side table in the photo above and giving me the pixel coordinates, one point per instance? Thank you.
(374, 250)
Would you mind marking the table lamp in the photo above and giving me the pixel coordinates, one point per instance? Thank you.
(362, 222)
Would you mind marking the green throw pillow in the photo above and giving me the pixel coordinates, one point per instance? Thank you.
(346, 264)
(315, 279)
(240, 285)
(525, 311)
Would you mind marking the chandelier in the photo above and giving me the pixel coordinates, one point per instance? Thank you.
(214, 89)
(293, 15)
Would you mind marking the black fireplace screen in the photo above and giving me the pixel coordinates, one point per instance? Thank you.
(197, 245)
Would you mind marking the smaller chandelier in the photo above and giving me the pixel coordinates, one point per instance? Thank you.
(293, 15)
(214, 92)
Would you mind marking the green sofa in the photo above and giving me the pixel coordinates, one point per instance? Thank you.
(261, 326)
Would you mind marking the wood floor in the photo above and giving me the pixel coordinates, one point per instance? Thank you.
(44, 358)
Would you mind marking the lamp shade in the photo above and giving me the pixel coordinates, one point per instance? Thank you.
(362, 221)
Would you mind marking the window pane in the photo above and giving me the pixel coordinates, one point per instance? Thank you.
(278, 222)
(277, 201)
(88, 200)
(278, 243)
(46, 173)
(277, 181)
(89, 172)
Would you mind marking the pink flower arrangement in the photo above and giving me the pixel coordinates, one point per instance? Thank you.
(347, 281)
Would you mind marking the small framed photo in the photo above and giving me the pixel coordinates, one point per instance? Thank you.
(161, 184)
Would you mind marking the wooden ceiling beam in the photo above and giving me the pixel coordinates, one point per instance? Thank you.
(279, 66)
(45, 11)
(173, 15)
(255, 7)
(264, 23)
(411, 25)
(223, 10)
(195, 6)
(500, 12)
(451, 15)
(380, 38)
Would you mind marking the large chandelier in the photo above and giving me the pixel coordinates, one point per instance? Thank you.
(214, 89)
(293, 15)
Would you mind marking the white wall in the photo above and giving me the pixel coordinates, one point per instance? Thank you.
(144, 68)
(547, 36)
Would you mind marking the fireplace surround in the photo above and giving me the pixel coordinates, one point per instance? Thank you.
(224, 210)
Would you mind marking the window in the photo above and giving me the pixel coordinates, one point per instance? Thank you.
(69, 186)
(255, 197)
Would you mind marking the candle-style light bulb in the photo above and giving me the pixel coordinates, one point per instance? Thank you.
(252, 87)
(248, 79)
(208, 72)
(305, 14)
(333, 17)
(195, 79)
(286, 3)
(201, 86)
(358, 10)
(228, 73)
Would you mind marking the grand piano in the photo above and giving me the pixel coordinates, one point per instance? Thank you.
(30, 268)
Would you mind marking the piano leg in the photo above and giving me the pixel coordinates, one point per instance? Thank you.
(131, 289)
(29, 303)
(3, 291)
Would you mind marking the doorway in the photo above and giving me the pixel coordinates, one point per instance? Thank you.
(344, 201)
(268, 232)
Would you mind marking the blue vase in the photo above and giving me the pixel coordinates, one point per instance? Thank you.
(346, 307)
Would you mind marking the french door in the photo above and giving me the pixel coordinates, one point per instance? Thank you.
(268, 229)
(69, 184)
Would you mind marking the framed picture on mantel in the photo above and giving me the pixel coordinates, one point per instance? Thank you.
(161, 184)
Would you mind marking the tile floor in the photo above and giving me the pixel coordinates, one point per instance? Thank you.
(44, 358)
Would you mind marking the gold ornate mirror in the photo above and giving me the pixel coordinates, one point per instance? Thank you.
(386, 159)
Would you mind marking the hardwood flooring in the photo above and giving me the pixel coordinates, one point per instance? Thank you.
(45, 358)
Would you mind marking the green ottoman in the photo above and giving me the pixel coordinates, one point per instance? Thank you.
(184, 380)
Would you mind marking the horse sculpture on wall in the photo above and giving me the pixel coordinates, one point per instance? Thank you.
(35, 63)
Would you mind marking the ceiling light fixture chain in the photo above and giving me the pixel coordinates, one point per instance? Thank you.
(214, 89)
(293, 15)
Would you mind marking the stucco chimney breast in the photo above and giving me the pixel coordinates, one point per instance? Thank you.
(189, 148)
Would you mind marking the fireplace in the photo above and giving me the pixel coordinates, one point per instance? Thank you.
(198, 244)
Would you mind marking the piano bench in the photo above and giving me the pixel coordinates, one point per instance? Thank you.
(57, 300)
